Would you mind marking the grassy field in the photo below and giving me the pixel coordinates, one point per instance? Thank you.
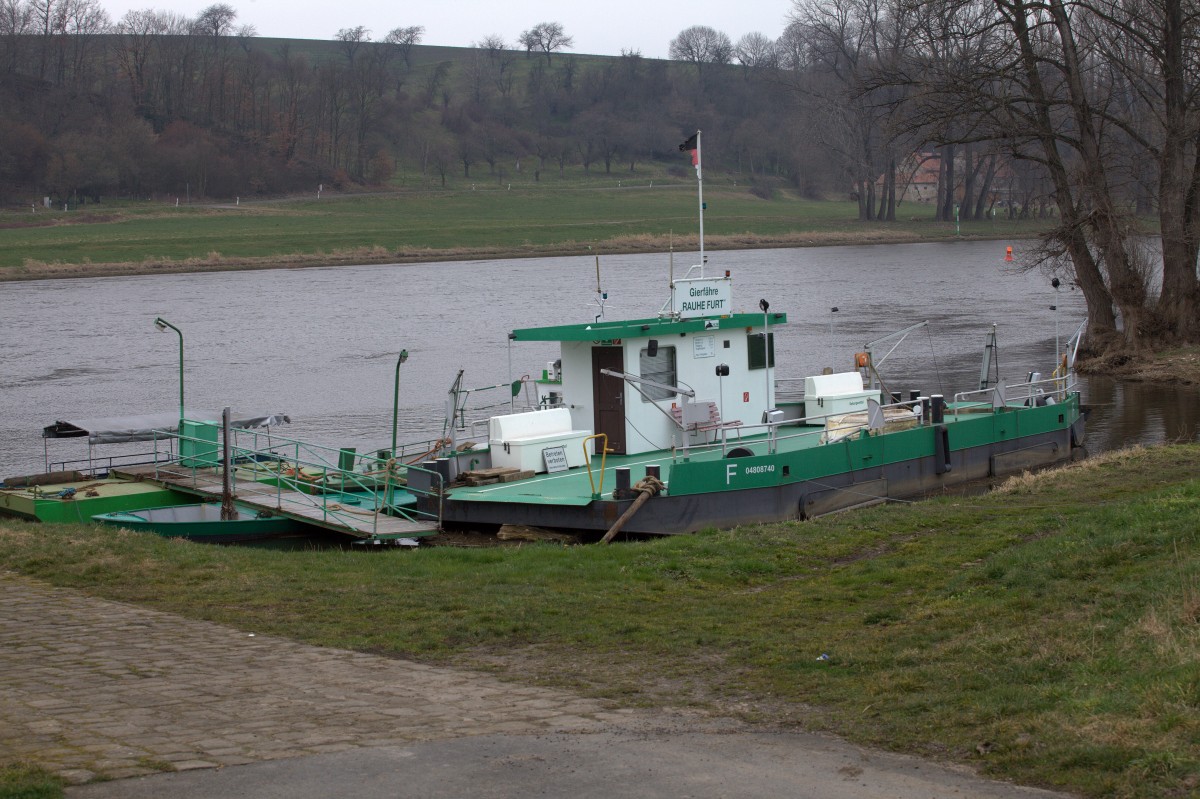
(489, 221)
(1048, 632)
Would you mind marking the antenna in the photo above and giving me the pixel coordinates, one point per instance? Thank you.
(601, 294)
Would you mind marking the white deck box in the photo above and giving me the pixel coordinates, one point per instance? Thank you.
(837, 393)
(519, 439)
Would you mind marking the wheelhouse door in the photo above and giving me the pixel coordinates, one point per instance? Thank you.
(608, 395)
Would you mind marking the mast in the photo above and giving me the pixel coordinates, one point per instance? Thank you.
(700, 193)
(692, 145)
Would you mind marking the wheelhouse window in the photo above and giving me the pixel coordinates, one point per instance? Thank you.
(661, 369)
(754, 345)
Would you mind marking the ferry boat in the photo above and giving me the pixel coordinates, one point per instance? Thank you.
(678, 422)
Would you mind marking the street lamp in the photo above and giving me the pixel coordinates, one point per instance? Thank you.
(396, 399)
(163, 324)
(832, 311)
(764, 305)
(1055, 283)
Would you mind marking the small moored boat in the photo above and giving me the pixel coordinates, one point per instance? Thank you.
(203, 522)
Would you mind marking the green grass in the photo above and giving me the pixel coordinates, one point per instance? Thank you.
(28, 782)
(458, 222)
(1049, 634)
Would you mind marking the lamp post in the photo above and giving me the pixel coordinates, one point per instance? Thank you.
(832, 311)
(396, 399)
(722, 373)
(163, 324)
(1055, 283)
(764, 305)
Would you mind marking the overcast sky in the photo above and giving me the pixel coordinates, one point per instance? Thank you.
(600, 27)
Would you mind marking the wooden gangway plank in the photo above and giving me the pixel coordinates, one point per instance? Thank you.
(313, 509)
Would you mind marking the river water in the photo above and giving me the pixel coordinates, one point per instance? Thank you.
(320, 344)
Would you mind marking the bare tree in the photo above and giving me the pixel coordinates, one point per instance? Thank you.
(405, 39)
(16, 23)
(492, 44)
(701, 45)
(137, 34)
(216, 20)
(755, 51)
(1095, 92)
(352, 40)
(86, 22)
(500, 61)
(837, 46)
(547, 38)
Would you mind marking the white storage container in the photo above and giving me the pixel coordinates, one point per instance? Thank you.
(519, 439)
(837, 393)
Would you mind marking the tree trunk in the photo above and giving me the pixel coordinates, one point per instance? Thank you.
(1179, 188)
(982, 204)
(887, 194)
(970, 167)
(946, 187)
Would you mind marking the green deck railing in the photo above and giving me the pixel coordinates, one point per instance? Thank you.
(312, 475)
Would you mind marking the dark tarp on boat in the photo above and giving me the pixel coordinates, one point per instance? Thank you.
(120, 429)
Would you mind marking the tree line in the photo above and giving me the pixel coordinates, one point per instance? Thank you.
(158, 103)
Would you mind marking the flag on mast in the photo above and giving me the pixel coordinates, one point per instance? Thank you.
(692, 146)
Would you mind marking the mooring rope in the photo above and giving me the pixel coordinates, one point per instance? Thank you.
(647, 487)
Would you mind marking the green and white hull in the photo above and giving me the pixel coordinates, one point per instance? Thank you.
(795, 476)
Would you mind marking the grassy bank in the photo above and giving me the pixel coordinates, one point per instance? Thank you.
(28, 782)
(437, 225)
(1048, 633)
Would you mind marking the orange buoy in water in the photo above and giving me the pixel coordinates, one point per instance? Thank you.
(1008, 253)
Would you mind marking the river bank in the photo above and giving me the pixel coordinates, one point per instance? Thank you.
(147, 238)
(216, 262)
(1029, 633)
(1179, 365)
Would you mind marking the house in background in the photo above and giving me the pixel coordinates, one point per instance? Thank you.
(917, 178)
(919, 175)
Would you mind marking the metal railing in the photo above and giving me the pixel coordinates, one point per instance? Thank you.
(101, 464)
(1024, 394)
(1034, 392)
(771, 430)
(1056, 388)
(307, 476)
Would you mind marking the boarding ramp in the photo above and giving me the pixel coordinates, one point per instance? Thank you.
(364, 496)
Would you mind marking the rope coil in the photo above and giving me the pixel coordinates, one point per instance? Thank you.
(647, 487)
